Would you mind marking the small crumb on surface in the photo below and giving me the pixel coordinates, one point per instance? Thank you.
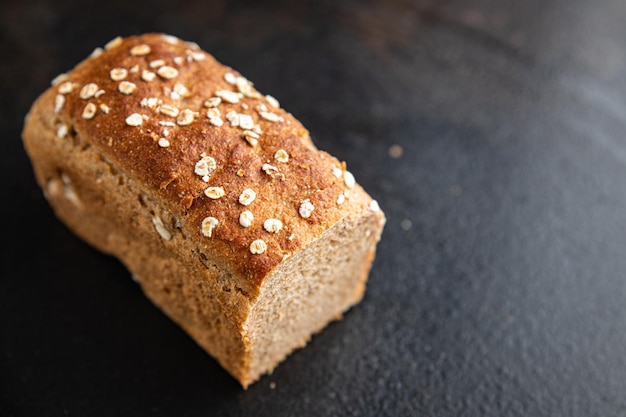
(396, 151)
(406, 224)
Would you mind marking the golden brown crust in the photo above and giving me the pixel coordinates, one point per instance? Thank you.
(189, 77)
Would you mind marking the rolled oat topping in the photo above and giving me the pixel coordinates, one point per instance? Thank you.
(140, 50)
(247, 196)
(134, 119)
(258, 247)
(208, 225)
(214, 192)
(272, 225)
(246, 218)
(306, 209)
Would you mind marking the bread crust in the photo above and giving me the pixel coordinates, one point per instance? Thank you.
(130, 160)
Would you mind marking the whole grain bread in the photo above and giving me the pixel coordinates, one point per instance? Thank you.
(214, 197)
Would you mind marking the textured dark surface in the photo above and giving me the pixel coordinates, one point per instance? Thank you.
(500, 283)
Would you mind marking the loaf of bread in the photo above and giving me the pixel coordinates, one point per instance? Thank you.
(215, 198)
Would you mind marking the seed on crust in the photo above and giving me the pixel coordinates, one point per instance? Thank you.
(134, 119)
(59, 101)
(374, 205)
(214, 192)
(205, 167)
(118, 74)
(348, 179)
(251, 137)
(269, 169)
(273, 102)
(105, 109)
(212, 102)
(113, 43)
(230, 78)
(247, 196)
(337, 172)
(216, 121)
(140, 50)
(341, 199)
(163, 143)
(246, 218)
(272, 117)
(168, 110)
(272, 225)
(258, 247)
(172, 40)
(167, 72)
(66, 87)
(185, 117)
(89, 111)
(233, 117)
(181, 90)
(88, 91)
(281, 156)
(147, 75)
(126, 87)
(306, 209)
(156, 63)
(62, 131)
(208, 225)
(245, 121)
(229, 96)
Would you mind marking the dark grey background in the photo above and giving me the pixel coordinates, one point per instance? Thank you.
(500, 283)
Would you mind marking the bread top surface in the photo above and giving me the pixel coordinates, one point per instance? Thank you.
(155, 106)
